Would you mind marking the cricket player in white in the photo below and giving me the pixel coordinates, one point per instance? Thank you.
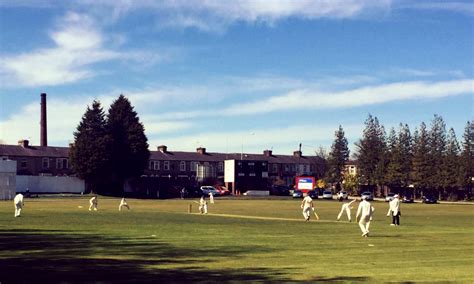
(307, 205)
(93, 203)
(394, 210)
(211, 197)
(364, 216)
(203, 205)
(18, 201)
(346, 207)
(123, 203)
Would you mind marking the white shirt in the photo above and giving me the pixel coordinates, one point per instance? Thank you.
(394, 207)
(18, 199)
(307, 202)
(364, 210)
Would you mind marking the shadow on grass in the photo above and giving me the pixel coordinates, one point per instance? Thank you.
(59, 256)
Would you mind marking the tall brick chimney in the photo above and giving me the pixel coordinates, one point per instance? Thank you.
(43, 123)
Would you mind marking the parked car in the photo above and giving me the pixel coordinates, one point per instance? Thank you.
(313, 194)
(408, 199)
(280, 190)
(368, 195)
(223, 190)
(297, 193)
(206, 189)
(429, 199)
(389, 197)
(327, 194)
(342, 195)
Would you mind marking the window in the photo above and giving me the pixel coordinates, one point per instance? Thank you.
(23, 163)
(154, 165)
(61, 163)
(194, 166)
(182, 166)
(45, 163)
(275, 168)
(287, 169)
(220, 166)
(166, 166)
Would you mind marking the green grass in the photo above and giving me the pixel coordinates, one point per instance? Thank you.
(55, 240)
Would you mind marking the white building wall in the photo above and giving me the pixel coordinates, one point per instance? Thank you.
(49, 184)
(7, 179)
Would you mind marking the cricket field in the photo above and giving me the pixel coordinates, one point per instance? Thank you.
(57, 239)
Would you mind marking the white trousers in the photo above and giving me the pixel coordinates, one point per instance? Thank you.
(307, 212)
(348, 211)
(17, 209)
(123, 205)
(364, 225)
(203, 209)
(93, 205)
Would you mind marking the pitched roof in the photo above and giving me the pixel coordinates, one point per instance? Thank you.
(49, 151)
(33, 151)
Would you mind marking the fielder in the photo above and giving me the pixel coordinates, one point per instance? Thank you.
(18, 201)
(203, 205)
(346, 207)
(211, 197)
(394, 210)
(93, 203)
(364, 216)
(123, 203)
(307, 205)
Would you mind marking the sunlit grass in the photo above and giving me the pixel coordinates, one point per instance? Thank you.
(59, 239)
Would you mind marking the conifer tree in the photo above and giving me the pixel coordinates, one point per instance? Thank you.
(420, 170)
(406, 154)
(466, 167)
(129, 151)
(451, 165)
(394, 173)
(371, 153)
(88, 154)
(437, 152)
(338, 157)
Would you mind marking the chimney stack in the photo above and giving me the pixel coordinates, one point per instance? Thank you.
(162, 148)
(43, 123)
(267, 153)
(201, 150)
(24, 143)
(297, 154)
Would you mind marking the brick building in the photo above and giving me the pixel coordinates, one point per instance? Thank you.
(179, 167)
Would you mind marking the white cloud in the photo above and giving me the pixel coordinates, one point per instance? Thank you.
(79, 44)
(369, 95)
(462, 7)
(216, 15)
(283, 140)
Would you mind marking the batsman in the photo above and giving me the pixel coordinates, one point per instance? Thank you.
(308, 206)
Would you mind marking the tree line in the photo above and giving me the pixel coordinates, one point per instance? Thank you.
(109, 149)
(429, 161)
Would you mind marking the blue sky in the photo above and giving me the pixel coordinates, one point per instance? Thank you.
(233, 75)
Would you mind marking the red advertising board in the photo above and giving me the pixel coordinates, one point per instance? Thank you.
(305, 184)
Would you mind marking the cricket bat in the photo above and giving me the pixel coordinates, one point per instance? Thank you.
(315, 215)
